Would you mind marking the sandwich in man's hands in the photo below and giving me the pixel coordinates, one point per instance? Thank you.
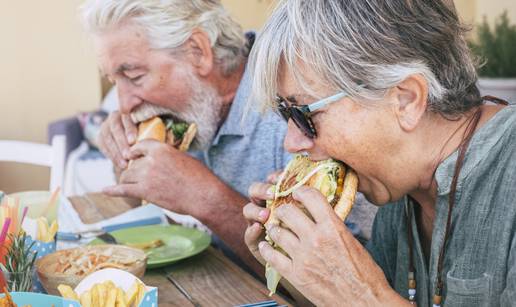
(177, 134)
(337, 182)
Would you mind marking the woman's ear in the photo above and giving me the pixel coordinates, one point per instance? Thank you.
(201, 53)
(411, 100)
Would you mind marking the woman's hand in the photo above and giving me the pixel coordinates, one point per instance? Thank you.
(325, 263)
(256, 214)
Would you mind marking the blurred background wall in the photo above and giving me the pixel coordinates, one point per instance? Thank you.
(48, 70)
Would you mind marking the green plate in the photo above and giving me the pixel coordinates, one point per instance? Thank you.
(180, 242)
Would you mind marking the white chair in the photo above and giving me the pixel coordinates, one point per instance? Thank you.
(52, 156)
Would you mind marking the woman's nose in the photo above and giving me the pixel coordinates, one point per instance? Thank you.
(295, 140)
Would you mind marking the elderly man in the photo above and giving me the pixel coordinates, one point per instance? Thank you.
(403, 110)
(185, 58)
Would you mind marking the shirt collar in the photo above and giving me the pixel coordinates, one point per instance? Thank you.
(480, 146)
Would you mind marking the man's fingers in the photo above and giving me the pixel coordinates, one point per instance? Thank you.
(134, 173)
(275, 258)
(259, 192)
(287, 240)
(119, 135)
(110, 149)
(131, 130)
(123, 190)
(254, 213)
(295, 219)
(143, 148)
(314, 202)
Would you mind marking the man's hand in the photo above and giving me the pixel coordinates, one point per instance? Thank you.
(117, 134)
(174, 180)
(325, 263)
(165, 176)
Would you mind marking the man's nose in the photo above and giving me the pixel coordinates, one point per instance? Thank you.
(295, 140)
(127, 99)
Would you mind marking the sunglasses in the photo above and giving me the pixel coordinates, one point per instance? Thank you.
(301, 115)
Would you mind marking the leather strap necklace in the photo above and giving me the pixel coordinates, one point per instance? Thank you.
(437, 298)
(439, 284)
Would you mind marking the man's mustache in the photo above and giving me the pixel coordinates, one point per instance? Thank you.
(148, 110)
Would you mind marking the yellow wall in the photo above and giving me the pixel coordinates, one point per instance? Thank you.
(474, 11)
(47, 72)
(251, 14)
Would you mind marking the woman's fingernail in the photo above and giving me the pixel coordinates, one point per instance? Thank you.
(261, 245)
(270, 191)
(131, 138)
(122, 163)
(263, 214)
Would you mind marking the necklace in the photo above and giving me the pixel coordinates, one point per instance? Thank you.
(437, 298)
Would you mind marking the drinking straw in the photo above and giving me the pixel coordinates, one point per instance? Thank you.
(24, 214)
(52, 202)
(3, 234)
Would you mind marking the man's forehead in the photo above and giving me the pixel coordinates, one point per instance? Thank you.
(115, 58)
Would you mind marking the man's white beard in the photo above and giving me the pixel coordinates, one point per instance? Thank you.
(204, 108)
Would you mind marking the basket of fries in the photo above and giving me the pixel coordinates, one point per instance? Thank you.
(104, 288)
(71, 266)
(111, 287)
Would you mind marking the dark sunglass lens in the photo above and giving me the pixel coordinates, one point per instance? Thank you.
(284, 112)
(302, 122)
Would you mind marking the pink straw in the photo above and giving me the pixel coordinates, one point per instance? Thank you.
(5, 228)
(24, 213)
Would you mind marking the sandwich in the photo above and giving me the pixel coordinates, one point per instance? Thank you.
(337, 182)
(177, 134)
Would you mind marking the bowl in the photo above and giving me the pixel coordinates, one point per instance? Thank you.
(70, 266)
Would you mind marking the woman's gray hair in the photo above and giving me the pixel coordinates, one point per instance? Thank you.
(365, 47)
(169, 24)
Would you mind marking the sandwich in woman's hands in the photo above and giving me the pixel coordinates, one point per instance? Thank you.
(177, 134)
(337, 182)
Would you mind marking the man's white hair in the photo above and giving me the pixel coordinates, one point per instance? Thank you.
(170, 23)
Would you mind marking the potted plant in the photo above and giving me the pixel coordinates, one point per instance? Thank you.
(497, 50)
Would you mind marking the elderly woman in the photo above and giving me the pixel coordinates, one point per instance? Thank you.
(388, 87)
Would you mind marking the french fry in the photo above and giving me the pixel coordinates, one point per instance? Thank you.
(52, 231)
(132, 293)
(86, 299)
(42, 229)
(141, 293)
(106, 294)
(111, 297)
(67, 292)
(120, 298)
(95, 296)
(109, 284)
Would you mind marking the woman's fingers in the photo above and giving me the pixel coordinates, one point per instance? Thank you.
(274, 177)
(275, 258)
(287, 240)
(295, 219)
(260, 192)
(255, 213)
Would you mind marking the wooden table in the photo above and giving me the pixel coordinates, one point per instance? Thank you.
(210, 278)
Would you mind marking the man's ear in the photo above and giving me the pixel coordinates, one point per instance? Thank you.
(411, 100)
(201, 53)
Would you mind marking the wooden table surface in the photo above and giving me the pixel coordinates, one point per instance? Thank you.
(210, 278)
